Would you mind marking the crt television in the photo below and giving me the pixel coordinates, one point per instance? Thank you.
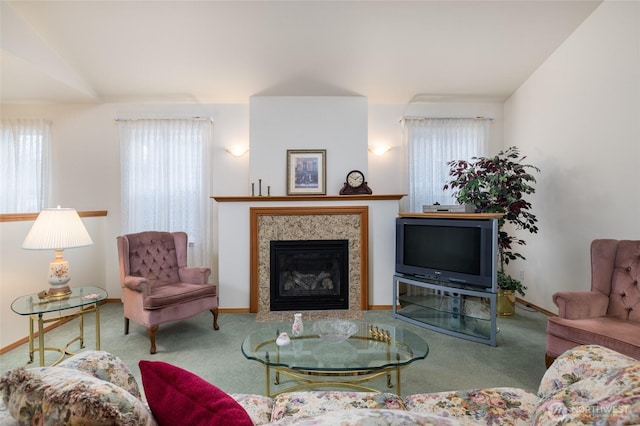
(462, 252)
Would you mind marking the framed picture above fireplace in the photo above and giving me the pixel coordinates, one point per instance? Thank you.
(306, 171)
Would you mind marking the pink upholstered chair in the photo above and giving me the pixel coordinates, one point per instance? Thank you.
(609, 314)
(157, 285)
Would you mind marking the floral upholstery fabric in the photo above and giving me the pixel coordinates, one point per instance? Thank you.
(580, 363)
(307, 404)
(58, 396)
(587, 385)
(258, 407)
(367, 417)
(611, 398)
(104, 366)
(497, 406)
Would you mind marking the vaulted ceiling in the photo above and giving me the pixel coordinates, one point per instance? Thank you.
(226, 51)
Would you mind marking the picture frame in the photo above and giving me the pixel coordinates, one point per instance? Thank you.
(306, 171)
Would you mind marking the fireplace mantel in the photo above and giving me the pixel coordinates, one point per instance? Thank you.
(304, 198)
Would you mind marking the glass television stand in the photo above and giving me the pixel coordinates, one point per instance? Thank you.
(457, 311)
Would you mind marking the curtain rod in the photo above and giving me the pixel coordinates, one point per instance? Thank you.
(162, 118)
(444, 118)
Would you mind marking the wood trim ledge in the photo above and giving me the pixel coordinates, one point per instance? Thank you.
(302, 198)
(19, 217)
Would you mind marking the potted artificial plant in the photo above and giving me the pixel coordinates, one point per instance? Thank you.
(498, 185)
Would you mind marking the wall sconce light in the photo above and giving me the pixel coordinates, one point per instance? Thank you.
(379, 149)
(237, 150)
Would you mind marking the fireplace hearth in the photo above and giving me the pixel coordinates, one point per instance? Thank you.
(309, 275)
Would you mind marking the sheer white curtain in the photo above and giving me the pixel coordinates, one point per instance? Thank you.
(24, 165)
(165, 167)
(430, 144)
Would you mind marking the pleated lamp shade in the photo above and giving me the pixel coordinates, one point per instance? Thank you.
(57, 229)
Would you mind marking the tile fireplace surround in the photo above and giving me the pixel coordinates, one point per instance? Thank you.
(305, 223)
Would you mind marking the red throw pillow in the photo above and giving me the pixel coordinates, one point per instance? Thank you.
(179, 397)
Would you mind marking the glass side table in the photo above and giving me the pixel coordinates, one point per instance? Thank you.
(82, 300)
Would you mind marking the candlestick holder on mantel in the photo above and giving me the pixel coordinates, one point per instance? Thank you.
(253, 189)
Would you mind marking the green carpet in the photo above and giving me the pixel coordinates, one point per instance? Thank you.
(453, 363)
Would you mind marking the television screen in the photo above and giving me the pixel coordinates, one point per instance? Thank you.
(443, 248)
(459, 251)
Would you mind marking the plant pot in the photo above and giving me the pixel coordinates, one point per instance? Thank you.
(506, 303)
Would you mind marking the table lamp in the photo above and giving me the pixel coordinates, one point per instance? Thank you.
(57, 229)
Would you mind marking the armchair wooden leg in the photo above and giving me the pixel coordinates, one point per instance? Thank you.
(215, 318)
(548, 360)
(126, 325)
(151, 331)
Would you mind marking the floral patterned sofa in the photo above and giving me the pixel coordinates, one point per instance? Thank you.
(585, 385)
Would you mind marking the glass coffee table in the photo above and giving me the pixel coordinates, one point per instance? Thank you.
(375, 350)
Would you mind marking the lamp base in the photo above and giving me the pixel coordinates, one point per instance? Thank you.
(58, 270)
(58, 292)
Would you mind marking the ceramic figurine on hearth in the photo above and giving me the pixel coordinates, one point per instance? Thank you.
(297, 329)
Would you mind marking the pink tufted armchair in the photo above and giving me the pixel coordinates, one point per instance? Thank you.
(609, 314)
(157, 285)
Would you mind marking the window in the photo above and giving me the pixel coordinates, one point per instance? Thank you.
(24, 165)
(165, 179)
(430, 144)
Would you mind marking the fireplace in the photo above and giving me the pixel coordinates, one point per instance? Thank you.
(309, 275)
(268, 224)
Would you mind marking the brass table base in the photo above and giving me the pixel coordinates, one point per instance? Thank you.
(64, 351)
(319, 379)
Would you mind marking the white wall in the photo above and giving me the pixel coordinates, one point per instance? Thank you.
(86, 176)
(578, 119)
(335, 123)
